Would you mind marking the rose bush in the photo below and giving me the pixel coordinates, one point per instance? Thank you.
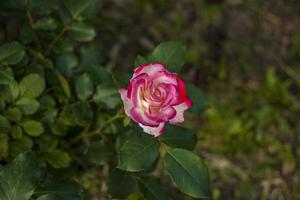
(62, 131)
(155, 96)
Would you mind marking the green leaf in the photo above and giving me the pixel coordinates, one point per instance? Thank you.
(66, 64)
(138, 153)
(46, 24)
(79, 9)
(11, 53)
(89, 57)
(198, 98)
(58, 159)
(81, 32)
(22, 145)
(84, 87)
(121, 78)
(101, 152)
(19, 179)
(4, 143)
(58, 127)
(27, 105)
(6, 76)
(33, 128)
(17, 132)
(4, 124)
(79, 113)
(152, 189)
(120, 184)
(58, 188)
(13, 114)
(140, 60)
(188, 172)
(172, 54)
(176, 136)
(47, 143)
(107, 95)
(65, 85)
(14, 89)
(32, 86)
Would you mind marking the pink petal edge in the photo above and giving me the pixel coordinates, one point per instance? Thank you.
(179, 117)
(155, 131)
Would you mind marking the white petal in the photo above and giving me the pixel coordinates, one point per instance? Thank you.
(156, 131)
(126, 101)
(179, 117)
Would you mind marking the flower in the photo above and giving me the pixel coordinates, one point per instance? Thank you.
(155, 96)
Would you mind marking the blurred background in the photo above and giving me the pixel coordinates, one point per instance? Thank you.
(245, 55)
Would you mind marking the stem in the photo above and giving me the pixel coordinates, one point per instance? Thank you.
(31, 24)
(54, 41)
(98, 131)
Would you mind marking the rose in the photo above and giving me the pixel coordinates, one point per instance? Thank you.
(155, 96)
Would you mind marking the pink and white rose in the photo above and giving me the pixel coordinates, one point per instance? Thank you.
(155, 96)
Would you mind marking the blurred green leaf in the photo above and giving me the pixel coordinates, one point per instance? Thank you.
(82, 32)
(11, 53)
(33, 128)
(172, 54)
(32, 86)
(47, 143)
(6, 76)
(27, 105)
(79, 113)
(13, 114)
(175, 136)
(199, 101)
(152, 189)
(14, 89)
(79, 9)
(17, 132)
(140, 60)
(4, 124)
(107, 95)
(66, 64)
(4, 143)
(100, 152)
(65, 85)
(19, 179)
(84, 87)
(120, 184)
(188, 172)
(46, 24)
(58, 159)
(138, 153)
(22, 145)
(56, 189)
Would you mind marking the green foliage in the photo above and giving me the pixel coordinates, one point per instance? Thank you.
(120, 183)
(188, 172)
(172, 54)
(59, 102)
(19, 179)
(138, 153)
(11, 53)
(175, 136)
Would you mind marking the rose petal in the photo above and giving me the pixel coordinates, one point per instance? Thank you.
(148, 69)
(156, 131)
(161, 115)
(126, 101)
(179, 117)
(163, 77)
(138, 115)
